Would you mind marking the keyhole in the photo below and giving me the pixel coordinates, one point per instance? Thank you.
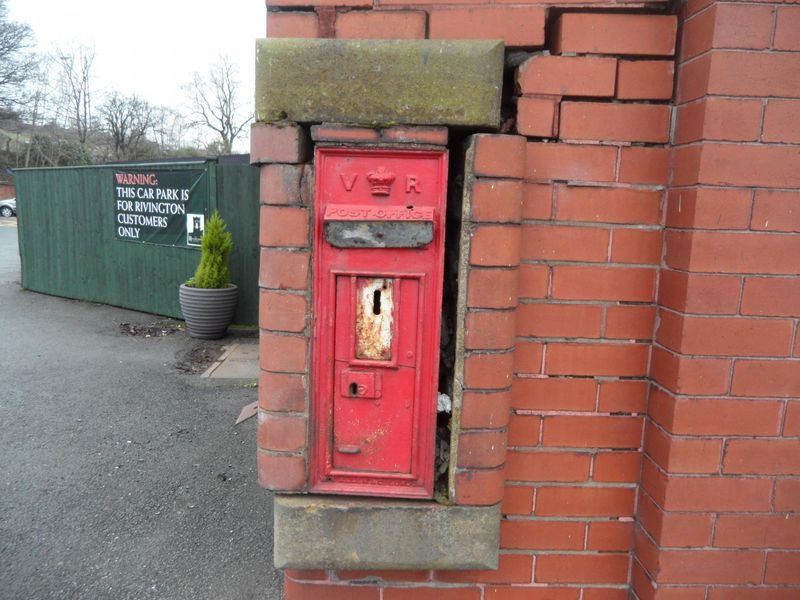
(353, 389)
(376, 302)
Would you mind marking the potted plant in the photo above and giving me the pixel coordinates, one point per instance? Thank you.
(208, 300)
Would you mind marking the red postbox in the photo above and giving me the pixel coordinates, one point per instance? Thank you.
(378, 267)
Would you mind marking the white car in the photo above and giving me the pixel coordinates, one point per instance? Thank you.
(8, 208)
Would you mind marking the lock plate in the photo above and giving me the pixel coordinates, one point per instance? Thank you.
(361, 384)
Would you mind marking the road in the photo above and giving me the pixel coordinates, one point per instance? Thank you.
(121, 476)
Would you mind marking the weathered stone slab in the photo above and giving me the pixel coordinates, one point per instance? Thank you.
(324, 532)
(380, 82)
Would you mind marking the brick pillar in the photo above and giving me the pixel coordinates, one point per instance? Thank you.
(720, 486)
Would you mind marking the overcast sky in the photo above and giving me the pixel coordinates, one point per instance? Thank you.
(150, 47)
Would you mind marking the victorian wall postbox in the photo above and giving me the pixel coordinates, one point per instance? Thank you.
(378, 266)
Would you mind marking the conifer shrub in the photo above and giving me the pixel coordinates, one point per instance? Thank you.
(216, 246)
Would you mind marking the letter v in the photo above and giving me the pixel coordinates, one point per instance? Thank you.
(349, 182)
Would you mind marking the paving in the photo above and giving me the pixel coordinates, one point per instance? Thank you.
(124, 475)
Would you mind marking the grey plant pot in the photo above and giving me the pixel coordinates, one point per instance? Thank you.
(208, 312)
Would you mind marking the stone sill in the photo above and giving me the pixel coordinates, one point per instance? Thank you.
(328, 532)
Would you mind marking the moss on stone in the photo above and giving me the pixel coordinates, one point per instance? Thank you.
(380, 82)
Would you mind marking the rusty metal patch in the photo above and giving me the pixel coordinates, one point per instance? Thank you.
(379, 234)
(374, 318)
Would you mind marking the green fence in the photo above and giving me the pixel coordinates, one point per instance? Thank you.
(69, 242)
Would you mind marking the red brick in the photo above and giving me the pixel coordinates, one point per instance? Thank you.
(623, 395)
(750, 531)
(380, 24)
(523, 430)
(499, 155)
(684, 375)
(786, 27)
(617, 467)
(783, 568)
(637, 246)
(282, 312)
(791, 427)
(577, 568)
(771, 296)
(282, 392)
(645, 79)
(674, 529)
(548, 242)
(277, 144)
(281, 432)
(513, 568)
(319, 3)
(314, 591)
(281, 472)
(584, 501)
(537, 116)
(537, 201)
(693, 76)
(622, 360)
(776, 457)
(630, 322)
(570, 162)
(528, 357)
(750, 593)
(518, 500)
(709, 566)
(306, 575)
(532, 593)
(677, 455)
(280, 184)
(542, 535)
(686, 164)
(604, 283)
(616, 593)
(533, 281)
(516, 26)
(479, 488)
(492, 288)
(719, 119)
(294, 24)
(592, 432)
(552, 393)
(432, 593)
(485, 410)
(283, 353)
(742, 26)
(607, 204)
(614, 122)
(723, 416)
(481, 449)
(709, 208)
(697, 33)
(547, 466)
(718, 252)
(718, 494)
(283, 269)
(330, 132)
(416, 135)
(787, 495)
(399, 575)
(489, 330)
(725, 336)
(497, 200)
(703, 294)
(777, 211)
(610, 536)
(737, 73)
(568, 75)
(774, 378)
(559, 320)
(488, 371)
(615, 34)
(644, 165)
(283, 226)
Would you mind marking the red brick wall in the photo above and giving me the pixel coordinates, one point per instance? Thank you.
(720, 482)
(712, 403)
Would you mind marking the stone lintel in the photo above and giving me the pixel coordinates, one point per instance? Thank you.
(329, 532)
(380, 82)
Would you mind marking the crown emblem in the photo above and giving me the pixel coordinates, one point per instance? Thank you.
(381, 181)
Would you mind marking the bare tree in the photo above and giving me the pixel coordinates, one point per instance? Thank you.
(215, 104)
(16, 60)
(76, 80)
(127, 119)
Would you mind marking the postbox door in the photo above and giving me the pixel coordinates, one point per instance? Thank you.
(378, 260)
